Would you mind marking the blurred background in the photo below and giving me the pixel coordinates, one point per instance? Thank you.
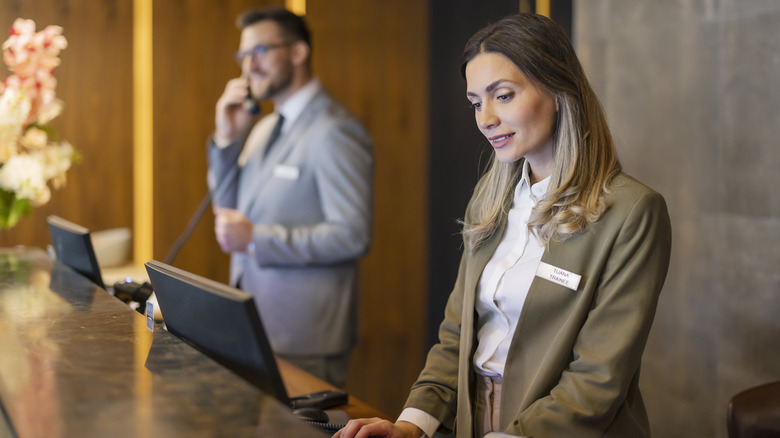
(690, 88)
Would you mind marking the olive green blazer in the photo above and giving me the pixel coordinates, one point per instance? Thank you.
(573, 363)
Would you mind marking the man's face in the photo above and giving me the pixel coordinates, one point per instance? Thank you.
(267, 65)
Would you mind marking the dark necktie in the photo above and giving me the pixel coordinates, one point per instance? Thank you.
(274, 134)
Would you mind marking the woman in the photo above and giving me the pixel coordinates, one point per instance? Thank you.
(565, 258)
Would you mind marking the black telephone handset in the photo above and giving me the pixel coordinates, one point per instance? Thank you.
(250, 104)
(327, 427)
(321, 400)
(310, 408)
(318, 418)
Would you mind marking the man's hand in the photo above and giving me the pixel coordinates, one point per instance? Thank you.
(233, 230)
(375, 427)
(232, 120)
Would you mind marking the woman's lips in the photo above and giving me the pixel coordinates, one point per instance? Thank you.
(499, 141)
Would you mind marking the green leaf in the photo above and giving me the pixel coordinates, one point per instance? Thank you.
(12, 209)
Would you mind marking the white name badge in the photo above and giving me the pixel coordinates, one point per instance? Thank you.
(286, 172)
(558, 276)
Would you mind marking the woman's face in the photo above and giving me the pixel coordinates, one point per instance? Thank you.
(514, 115)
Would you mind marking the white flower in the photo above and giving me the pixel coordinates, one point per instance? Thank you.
(14, 108)
(56, 161)
(24, 175)
(43, 197)
(35, 138)
(50, 111)
(7, 150)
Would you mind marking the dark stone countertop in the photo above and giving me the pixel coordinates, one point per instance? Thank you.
(76, 361)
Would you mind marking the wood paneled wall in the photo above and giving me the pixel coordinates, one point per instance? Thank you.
(194, 42)
(95, 82)
(371, 55)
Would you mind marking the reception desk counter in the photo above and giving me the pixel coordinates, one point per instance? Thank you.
(77, 362)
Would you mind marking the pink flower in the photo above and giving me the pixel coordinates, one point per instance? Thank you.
(31, 158)
(15, 48)
(32, 57)
(53, 41)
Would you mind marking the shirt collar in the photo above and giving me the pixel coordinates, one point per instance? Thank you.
(292, 108)
(537, 190)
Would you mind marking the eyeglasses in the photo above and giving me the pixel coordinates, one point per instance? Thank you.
(258, 50)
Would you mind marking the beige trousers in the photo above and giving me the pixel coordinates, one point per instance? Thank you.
(487, 405)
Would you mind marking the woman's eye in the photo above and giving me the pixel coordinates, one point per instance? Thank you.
(505, 97)
(475, 105)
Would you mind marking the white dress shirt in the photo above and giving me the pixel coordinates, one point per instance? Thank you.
(505, 281)
(291, 109)
(501, 290)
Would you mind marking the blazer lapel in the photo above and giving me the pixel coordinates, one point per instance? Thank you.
(261, 167)
(287, 142)
(476, 265)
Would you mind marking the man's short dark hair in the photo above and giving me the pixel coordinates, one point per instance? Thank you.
(293, 26)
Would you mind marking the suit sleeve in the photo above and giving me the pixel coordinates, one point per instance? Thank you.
(344, 169)
(223, 173)
(606, 355)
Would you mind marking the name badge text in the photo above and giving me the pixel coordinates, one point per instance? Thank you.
(559, 276)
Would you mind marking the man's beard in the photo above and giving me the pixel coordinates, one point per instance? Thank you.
(278, 87)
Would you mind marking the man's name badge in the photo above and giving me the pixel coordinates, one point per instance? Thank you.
(559, 276)
(286, 172)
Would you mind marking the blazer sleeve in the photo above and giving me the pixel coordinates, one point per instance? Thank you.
(607, 351)
(436, 388)
(223, 173)
(344, 172)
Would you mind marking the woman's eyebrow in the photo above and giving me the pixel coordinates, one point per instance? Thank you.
(489, 88)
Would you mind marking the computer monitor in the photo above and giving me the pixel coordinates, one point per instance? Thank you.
(73, 246)
(220, 321)
(223, 323)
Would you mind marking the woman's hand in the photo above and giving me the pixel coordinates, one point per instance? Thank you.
(376, 427)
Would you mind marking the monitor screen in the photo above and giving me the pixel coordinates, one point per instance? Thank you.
(73, 247)
(219, 320)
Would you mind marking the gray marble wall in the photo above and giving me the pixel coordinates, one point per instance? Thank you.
(692, 92)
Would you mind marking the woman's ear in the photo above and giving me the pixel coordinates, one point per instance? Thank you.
(300, 52)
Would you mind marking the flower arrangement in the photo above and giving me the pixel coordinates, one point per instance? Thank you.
(31, 154)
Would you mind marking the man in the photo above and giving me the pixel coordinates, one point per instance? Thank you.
(294, 210)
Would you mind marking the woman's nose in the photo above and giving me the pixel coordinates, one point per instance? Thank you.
(487, 118)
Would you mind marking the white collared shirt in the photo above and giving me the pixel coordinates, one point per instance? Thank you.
(501, 290)
(291, 109)
(504, 283)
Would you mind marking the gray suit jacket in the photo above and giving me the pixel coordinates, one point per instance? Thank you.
(311, 200)
(572, 369)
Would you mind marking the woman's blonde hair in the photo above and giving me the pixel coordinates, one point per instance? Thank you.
(585, 160)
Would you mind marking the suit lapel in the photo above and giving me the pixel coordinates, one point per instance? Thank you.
(290, 139)
(260, 169)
